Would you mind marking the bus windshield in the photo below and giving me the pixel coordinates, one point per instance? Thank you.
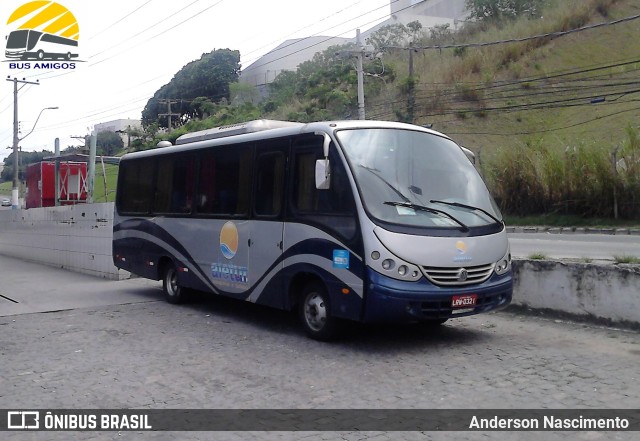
(17, 39)
(417, 179)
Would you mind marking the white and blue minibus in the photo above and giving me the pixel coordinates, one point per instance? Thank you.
(369, 221)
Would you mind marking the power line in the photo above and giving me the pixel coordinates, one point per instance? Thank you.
(305, 27)
(523, 39)
(554, 129)
(144, 30)
(121, 19)
(329, 38)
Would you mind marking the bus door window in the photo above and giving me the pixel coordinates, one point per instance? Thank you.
(269, 184)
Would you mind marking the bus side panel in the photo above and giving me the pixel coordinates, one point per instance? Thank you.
(145, 246)
(130, 250)
(312, 253)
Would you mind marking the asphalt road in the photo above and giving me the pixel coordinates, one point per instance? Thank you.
(575, 246)
(73, 341)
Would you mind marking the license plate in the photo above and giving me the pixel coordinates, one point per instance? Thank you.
(464, 301)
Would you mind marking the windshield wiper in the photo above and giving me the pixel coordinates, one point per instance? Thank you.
(470, 207)
(375, 173)
(428, 209)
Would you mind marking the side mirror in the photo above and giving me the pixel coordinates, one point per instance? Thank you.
(323, 174)
(323, 171)
(325, 143)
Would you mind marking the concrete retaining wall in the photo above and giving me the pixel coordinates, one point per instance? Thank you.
(606, 292)
(76, 238)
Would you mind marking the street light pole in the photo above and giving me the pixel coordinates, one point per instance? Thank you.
(16, 139)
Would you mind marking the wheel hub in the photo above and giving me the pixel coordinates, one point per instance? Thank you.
(315, 312)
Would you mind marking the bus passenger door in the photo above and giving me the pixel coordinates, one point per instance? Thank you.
(265, 243)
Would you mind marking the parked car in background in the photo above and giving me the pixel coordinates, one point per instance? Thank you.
(6, 203)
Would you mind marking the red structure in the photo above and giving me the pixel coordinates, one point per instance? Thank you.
(41, 184)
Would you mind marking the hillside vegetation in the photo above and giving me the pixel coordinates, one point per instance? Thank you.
(554, 121)
(547, 118)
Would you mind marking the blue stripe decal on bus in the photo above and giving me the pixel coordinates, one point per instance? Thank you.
(322, 248)
(151, 228)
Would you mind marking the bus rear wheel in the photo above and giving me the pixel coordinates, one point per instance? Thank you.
(315, 313)
(173, 292)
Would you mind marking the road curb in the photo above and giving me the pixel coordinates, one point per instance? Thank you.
(575, 230)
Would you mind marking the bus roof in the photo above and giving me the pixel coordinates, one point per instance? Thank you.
(264, 129)
(235, 129)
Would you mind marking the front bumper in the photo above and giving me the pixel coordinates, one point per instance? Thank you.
(391, 300)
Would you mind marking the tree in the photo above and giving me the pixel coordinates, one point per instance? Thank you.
(25, 159)
(498, 10)
(208, 77)
(390, 35)
(242, 93)
(109, 143)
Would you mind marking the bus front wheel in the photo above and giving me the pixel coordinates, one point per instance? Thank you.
(173, 292)
(315, 313)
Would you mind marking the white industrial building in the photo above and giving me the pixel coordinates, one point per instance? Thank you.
(119, 126)
(287, 56)
(291, 53)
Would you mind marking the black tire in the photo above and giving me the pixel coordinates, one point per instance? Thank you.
(315, 313)
(173, 293)
(40, 55)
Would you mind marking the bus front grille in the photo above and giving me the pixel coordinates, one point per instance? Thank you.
(458, 276)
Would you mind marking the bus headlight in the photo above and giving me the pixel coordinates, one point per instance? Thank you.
(388, 264)
(504, 264)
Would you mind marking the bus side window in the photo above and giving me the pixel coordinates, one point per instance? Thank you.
(225, 181)
(334, 206)
(306, 198)
(174, 185)
(137, 178)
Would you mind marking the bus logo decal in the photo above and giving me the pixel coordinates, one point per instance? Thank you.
(229, 240)
(42, 31)
(461, 249)
(341, 259)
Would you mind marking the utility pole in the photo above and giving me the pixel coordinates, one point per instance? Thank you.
(16, 140)
(57, 171)
(169, 113)
(359, 53)
(91, 173)
(360, 72)
(411, 96)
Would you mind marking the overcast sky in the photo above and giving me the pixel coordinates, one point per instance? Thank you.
(130, 48)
